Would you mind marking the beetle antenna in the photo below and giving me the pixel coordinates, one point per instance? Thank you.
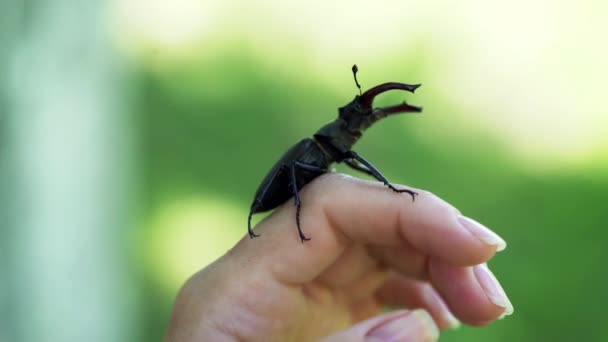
(355, 69)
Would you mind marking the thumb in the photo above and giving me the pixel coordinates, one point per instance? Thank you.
(402, 325)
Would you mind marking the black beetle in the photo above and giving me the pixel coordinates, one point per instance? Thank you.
(312, 157)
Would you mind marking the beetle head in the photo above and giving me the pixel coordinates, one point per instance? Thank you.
(359, 114)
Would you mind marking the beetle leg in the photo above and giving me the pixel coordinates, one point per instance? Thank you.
(294, 189)
(377, 174)
(355, 165)
(258, 201)
(296, 195)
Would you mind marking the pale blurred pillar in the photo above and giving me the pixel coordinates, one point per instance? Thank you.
(65, 177)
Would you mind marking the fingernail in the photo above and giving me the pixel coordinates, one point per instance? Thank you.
(417, 325)
(447, 319)
(483, 233)
(492, 288)
(453, 322)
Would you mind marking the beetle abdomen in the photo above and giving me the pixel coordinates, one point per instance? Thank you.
(276, 187)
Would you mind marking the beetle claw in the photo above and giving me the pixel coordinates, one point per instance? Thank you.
(253, 235)
(410, 192)
(304, 238)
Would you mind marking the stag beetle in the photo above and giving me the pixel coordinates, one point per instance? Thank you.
(312, 157)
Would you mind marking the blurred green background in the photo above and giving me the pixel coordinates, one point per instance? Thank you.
(134, 134)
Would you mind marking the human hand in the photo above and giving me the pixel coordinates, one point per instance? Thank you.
(370, 248)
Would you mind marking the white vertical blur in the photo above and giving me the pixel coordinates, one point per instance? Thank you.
(8, 19)
(69, 174)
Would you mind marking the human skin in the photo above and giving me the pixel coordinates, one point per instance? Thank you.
(370, 248)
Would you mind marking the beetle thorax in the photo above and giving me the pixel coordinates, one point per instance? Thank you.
(336, 138)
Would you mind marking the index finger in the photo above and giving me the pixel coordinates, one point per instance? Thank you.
(338, 210)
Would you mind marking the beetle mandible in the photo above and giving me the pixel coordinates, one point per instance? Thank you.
(312, 157)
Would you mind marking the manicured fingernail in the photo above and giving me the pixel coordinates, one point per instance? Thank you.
(483, 233)
(417, 325)
(492, 288)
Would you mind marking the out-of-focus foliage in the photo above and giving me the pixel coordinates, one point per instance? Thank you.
(514, 133)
